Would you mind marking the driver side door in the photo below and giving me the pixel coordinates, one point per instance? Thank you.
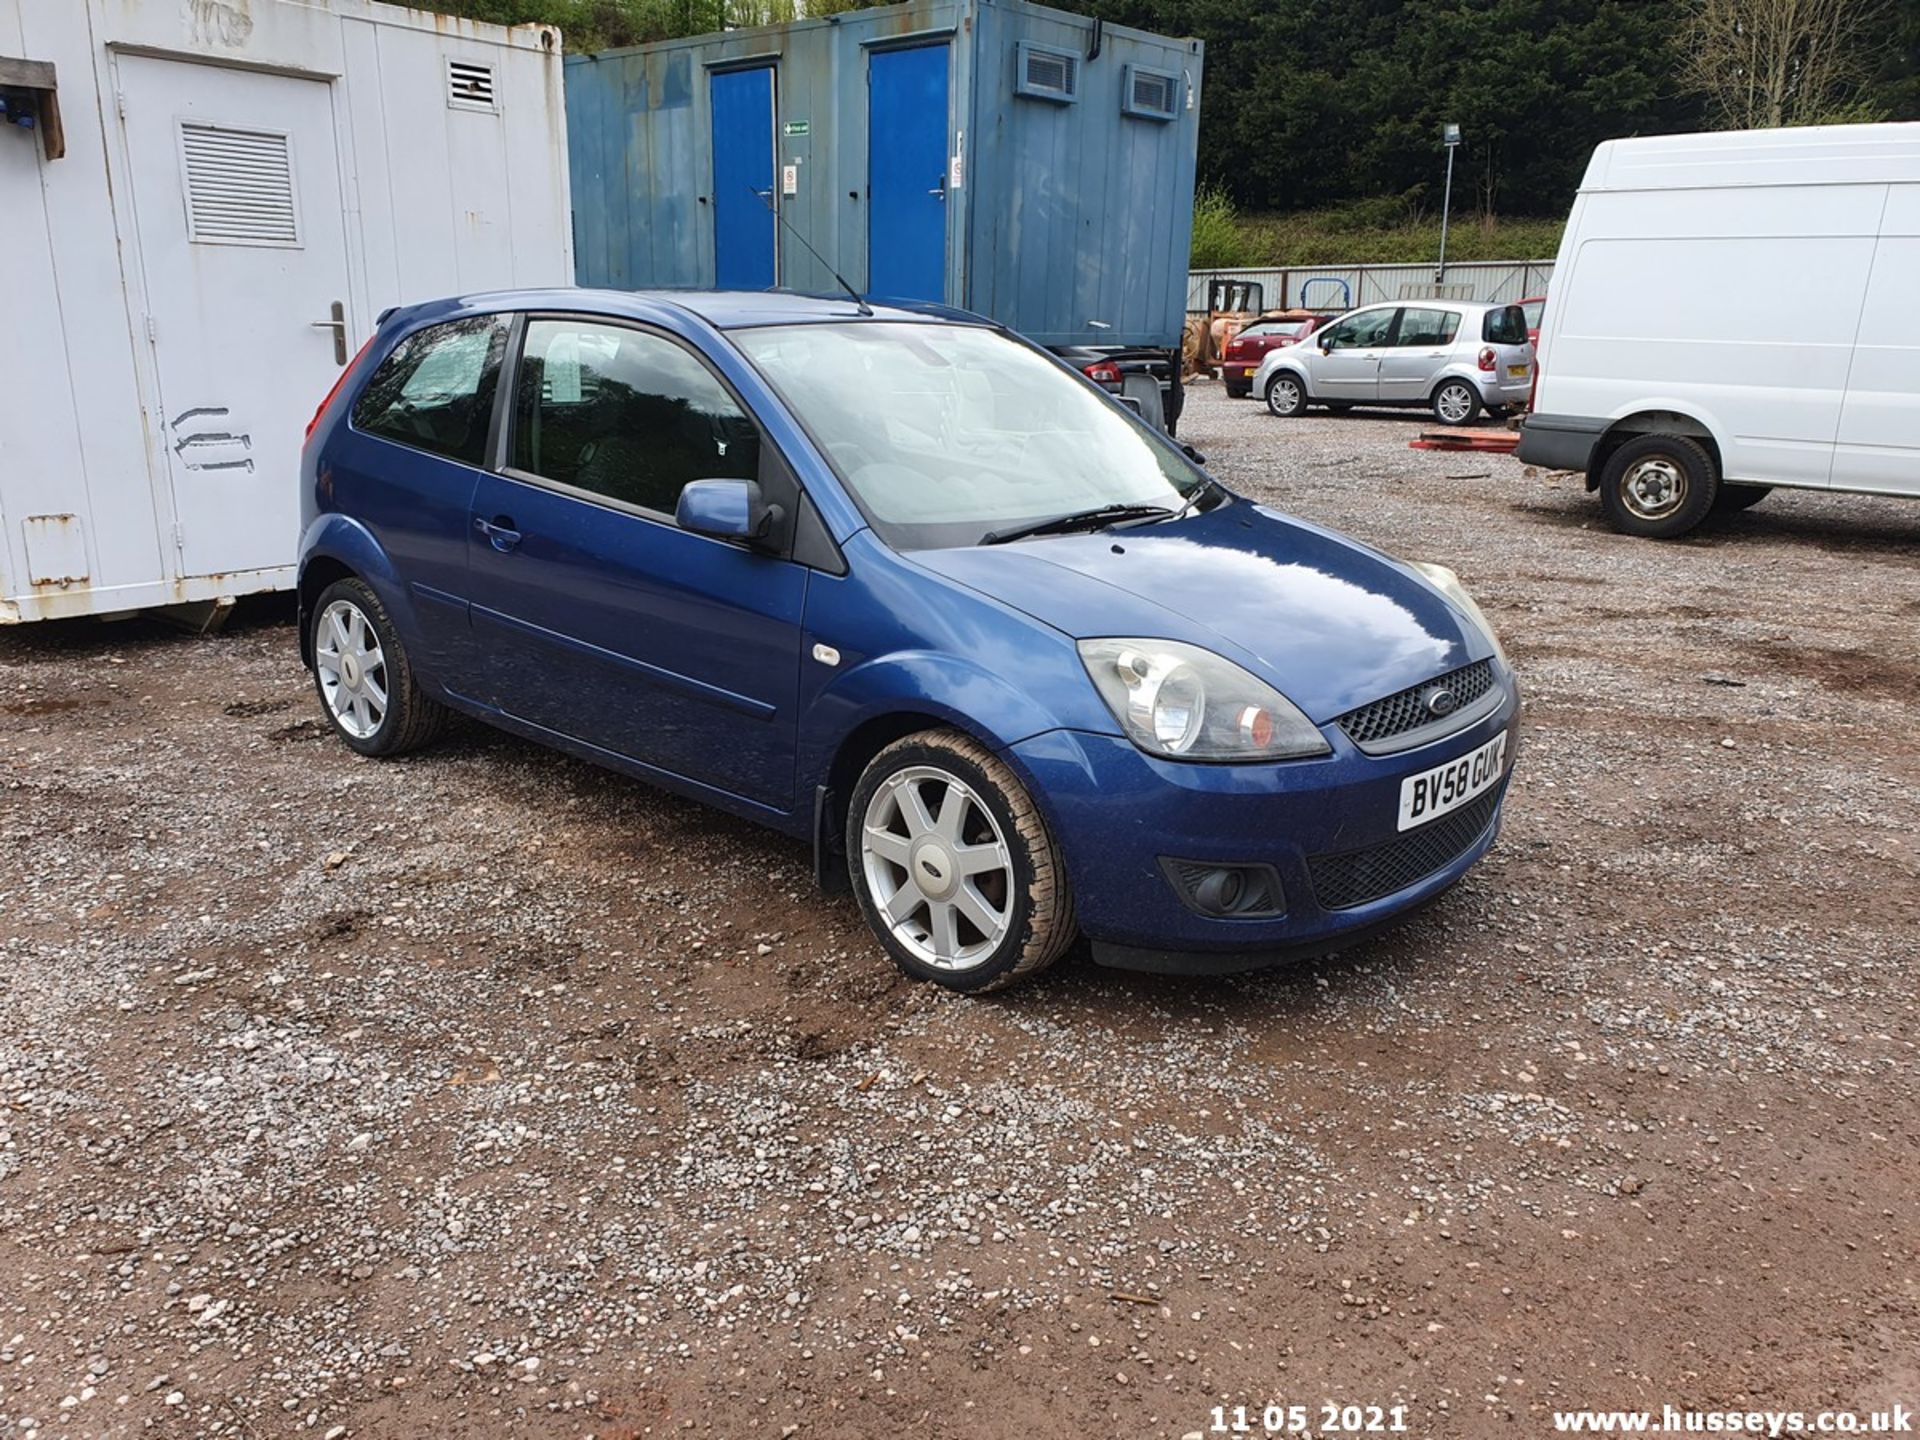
(600, 620)
(1348, 366)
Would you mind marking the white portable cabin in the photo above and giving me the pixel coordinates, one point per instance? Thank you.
(211, 204)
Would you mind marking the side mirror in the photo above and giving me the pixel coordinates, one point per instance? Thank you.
(1132, 402)
(1326, 344)
(726, 510)
(1192, 454)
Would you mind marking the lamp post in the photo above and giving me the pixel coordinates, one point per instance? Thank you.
(1449, 137)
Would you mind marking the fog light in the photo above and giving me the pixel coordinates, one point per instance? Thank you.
(1226, 892)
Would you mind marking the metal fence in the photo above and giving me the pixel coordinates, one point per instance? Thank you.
(1341, 287)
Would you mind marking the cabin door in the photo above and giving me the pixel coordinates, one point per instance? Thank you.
(744, 242)
(907, 173)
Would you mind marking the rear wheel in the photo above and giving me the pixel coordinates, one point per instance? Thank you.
(1658, 486)
(364, 677)
(953, 866)
(1286, 396)
(1455, 402)
(1740, 497)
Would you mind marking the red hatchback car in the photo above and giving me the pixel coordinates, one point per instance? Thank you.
(1249, 347)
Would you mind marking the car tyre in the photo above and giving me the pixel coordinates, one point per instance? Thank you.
(1658, 486)
(1456, 402)
(364, 676)
(975, 900)
(1286, 395)
(1730, 498)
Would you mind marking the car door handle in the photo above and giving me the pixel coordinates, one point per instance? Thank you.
(499, 531)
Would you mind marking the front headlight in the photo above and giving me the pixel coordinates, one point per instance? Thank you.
(1456, 592)
(1187, 703)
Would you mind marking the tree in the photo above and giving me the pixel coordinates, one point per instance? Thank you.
(1766, 63)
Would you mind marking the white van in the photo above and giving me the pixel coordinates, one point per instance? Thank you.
(1731, 312)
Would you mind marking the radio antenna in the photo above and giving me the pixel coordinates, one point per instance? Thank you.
(852, 294)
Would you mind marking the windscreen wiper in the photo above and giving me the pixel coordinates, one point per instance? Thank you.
(1076, 520)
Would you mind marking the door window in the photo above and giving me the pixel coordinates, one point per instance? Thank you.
(1358, 332)
(625, 414)
(435, 392)
(1428, 328)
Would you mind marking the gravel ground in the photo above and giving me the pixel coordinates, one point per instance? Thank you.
(487, 1094)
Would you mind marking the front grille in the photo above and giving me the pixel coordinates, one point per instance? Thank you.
(1341, 882)
(1399, 713)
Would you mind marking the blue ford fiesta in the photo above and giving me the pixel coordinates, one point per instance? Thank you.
(901, 585)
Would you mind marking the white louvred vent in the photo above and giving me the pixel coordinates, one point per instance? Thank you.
(239, 186)
(469, 86)
(1048, 74)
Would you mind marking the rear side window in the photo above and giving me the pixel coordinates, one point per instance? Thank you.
(625, 414)
(1505, 326)
(1428, 327)
(435, 392)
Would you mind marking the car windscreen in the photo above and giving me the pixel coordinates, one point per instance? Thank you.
(945, 434)
(1505, 326)
(1275, 330)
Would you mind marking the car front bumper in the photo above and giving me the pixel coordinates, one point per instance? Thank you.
(1117, 812)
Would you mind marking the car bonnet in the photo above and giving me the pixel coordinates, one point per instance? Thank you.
(1328, 622)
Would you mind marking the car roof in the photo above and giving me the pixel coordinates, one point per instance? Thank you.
(722, 309)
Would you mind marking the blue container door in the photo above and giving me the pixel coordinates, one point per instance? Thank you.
(743, 225)
(907, 173)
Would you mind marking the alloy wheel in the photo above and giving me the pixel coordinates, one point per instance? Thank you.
(352, 669)
(1455, 404)
(938, 868)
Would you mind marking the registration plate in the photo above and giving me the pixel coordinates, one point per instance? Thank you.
(1516, 371)
(1447, 787)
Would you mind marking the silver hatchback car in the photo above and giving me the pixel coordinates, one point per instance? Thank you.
(1454, 357)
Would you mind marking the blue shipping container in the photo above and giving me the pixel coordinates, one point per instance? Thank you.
(1034, 166)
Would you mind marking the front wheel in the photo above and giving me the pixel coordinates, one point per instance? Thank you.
(955, 871)
(1286, 396)
(364, 677)
(1658, 486)
(1455, 402)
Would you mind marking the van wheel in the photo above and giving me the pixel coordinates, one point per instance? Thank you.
(953, 866)
(1455, 402)
(1286, 396)
(364, 676)
(1739, 497)
(1658, 486)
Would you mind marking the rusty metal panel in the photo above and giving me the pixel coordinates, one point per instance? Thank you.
(56, 551)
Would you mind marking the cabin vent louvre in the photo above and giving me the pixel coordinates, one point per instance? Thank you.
(1045, 74)
(469, 86)
(1150, 94)
(239, 186)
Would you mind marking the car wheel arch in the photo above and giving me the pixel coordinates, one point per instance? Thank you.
(1294, 372)
(857, 749)
(315, 576)
(1650, 422)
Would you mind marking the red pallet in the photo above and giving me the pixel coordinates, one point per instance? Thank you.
(1498, 442)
